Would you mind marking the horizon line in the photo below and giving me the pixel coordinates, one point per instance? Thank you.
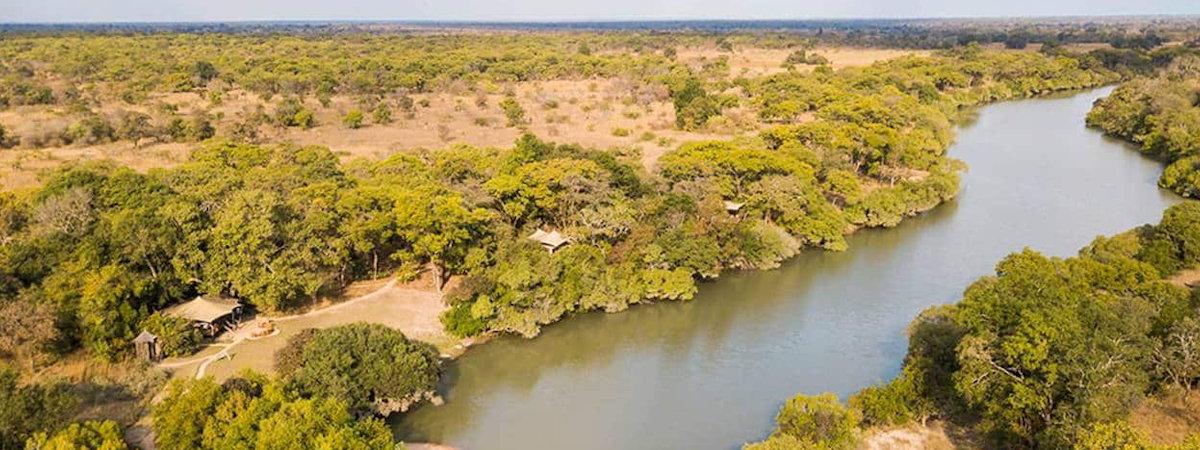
(622, 20)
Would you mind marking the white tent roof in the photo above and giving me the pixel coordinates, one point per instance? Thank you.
(551, 239)
(202, 309)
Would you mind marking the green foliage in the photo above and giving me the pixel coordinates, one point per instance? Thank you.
(92, 435)
(361, 365)
(1112, 436)
(819, 421)
(353, 119)
(1055, 352)
(26, 409)
(292, 113)
(513, 111)
(253, 412)
(1160, 114)
(693, 105)
(176, 335)
(382, 114)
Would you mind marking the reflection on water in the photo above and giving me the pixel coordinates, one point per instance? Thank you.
(712, 372)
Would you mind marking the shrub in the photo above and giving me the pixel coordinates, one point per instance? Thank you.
(459, 321)
(291, 113)
(361, 364)
(819, 419)
(382, 113)
(92, 434)
(513, 111)
(620, 132)
(177, 336)
(353, 119)
(90, 130)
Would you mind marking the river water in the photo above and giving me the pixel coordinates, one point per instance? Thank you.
(711, 373)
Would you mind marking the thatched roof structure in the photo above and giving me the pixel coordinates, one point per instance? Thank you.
(145, 337)
(204, 309)
(550, 240)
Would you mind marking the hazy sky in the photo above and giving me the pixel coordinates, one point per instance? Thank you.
(533, 10)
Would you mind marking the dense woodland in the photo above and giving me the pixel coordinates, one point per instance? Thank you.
(90, 256)
(1162, 115)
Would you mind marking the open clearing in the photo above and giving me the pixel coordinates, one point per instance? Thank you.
(412, 309)
(605, 113)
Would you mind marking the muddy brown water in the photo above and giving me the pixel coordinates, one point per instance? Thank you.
(711, 373)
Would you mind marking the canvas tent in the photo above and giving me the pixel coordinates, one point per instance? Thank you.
(208, 313)
(551, 241)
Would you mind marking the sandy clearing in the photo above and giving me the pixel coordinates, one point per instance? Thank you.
(411, 310)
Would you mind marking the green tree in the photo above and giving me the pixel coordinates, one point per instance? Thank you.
(362, 365)
(92, 435)
(819, 420)
(439, 227)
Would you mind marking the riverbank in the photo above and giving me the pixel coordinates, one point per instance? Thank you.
(753, 338)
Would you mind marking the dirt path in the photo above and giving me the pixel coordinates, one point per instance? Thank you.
(411, 310)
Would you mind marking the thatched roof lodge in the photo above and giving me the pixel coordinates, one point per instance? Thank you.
(551, 241)
(733, 207)
(208, 313)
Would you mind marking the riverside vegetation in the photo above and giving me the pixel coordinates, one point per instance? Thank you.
(1056, 353)
(88, 257)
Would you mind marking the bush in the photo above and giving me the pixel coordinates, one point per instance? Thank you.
(620, 132)
(894, 403)
(353, 119)
(364, 365)
(91, 130)
(176, 335)
(6, 140)
(382, 113)
(513, 111)
(92, 434)
(292, 113)
(459, 321)
(819, 419)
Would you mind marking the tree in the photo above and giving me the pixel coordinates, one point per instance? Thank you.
(92, 435)
(177, 336)
(818, 420)
(367, 366)
(438, 226)
(254, 412)
(27, 330)
(1177, 355)
(135, 126)
(1041, 321)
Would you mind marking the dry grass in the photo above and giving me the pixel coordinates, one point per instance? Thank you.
(935, 435)
(751, 62)
(570, 111)
(1169, 419)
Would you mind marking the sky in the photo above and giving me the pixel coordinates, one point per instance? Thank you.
(560, 10)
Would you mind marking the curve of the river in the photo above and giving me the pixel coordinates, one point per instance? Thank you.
(711, 373)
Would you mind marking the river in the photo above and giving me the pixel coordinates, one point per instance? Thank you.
(711, 373)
